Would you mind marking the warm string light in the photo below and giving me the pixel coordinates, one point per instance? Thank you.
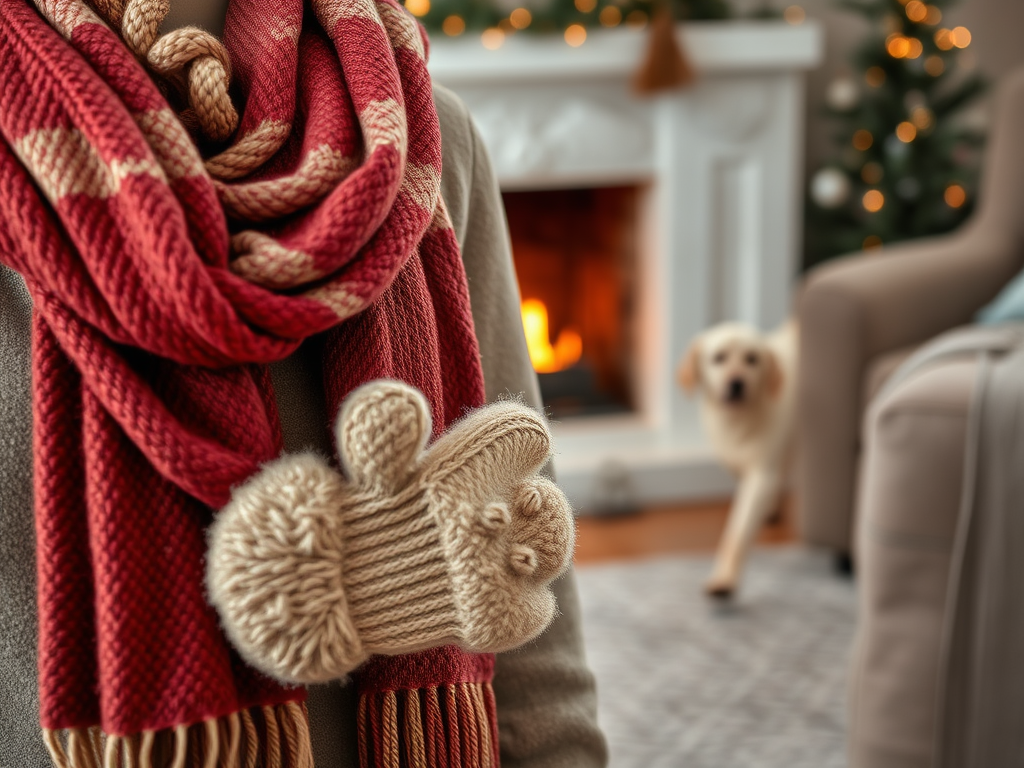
(520, 18)
(863, 140)
(794, 14)
(873, 201)
(871, 243)
(875, 76)
(610, 16)
(948, 39)
(920, 13)
(585, 6)
(902, 47)
(934, 65)
(418, 7)
(453, 25)
(575, 35)
(906, 132)
(955, 196)
(916, 11)
(872, 173)
(922, 118)
(492, 38)
(636, 19)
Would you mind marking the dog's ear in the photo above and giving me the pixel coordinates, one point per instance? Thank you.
(774, 377)
(688, 374)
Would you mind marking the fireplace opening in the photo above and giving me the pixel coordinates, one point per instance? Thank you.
(575, 253)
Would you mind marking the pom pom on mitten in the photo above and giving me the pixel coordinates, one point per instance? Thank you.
(312, 573)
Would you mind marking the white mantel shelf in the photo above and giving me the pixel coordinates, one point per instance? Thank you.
(718, 164)
(712, 47)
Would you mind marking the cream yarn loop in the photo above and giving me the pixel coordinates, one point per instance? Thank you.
(312, 572)
(191, 56)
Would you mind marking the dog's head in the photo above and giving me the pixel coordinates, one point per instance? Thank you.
(732, 365)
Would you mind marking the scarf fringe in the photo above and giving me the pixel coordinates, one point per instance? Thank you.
(265, 737)
(448, 726)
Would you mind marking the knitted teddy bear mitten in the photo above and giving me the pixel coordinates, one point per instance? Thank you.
(312, 573)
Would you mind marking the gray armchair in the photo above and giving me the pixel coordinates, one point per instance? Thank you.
(862, 314)
(888, 484)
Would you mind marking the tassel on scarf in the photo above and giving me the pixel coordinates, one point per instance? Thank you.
(446, 726)
(274, 737)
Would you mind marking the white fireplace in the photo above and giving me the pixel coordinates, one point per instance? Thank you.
(717, 168)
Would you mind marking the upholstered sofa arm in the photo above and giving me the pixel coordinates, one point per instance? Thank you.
(855, 308)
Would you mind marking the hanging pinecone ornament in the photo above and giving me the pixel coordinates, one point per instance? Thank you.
(842, 94)
(830, 187)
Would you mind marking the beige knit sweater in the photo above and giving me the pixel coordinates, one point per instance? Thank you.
(545, 693)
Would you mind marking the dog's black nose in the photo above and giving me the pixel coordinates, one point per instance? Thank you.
(736, 390)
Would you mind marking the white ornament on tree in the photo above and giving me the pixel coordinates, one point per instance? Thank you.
(842, 94)
(830, 187)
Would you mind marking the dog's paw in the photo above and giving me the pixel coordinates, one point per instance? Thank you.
(720, 588)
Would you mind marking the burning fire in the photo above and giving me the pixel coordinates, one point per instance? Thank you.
(545, 357)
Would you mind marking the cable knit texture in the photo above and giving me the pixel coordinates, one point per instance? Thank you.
(311, 572)
(170, 257)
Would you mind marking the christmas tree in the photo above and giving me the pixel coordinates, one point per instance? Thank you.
(906, 166)
(493, 20)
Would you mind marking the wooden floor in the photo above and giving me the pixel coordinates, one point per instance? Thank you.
(664, 530)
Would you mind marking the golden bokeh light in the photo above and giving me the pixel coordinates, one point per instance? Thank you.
(955, 196)
(906, 132)
(794, 14)
(944, 39)
(960, 37)
(610, 16)
(934, 15)
(575, 35)
(934, 65)
(418, 7)
(897, 45)
(873, 201)
(520, 18)
(872, 173)
(922, 118)
(916, 11)
(453, 25)
(636, 19)
(916, 48)
(585, 6)
(875, 76)
(492, 38)
(862, 140)
(872, 242)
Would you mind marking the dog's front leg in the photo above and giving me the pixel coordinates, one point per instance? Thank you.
(756, 497)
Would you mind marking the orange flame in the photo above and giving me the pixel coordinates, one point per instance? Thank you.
(545, 357)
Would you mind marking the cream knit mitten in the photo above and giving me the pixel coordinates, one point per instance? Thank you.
(312, 572)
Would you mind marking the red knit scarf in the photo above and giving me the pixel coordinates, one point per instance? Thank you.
(164, 281)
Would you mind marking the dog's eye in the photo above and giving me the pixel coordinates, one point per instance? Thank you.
(752, 358)
(719, 358)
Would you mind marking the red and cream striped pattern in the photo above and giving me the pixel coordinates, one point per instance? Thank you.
(175, 245)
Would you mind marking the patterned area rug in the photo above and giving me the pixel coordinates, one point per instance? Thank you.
(683, 683)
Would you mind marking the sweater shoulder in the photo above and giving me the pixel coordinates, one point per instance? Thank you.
(459, 142)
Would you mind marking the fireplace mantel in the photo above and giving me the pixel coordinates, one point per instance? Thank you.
(721, 165)
(712, 47)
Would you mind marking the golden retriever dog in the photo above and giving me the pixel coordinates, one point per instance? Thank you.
(746, 382)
